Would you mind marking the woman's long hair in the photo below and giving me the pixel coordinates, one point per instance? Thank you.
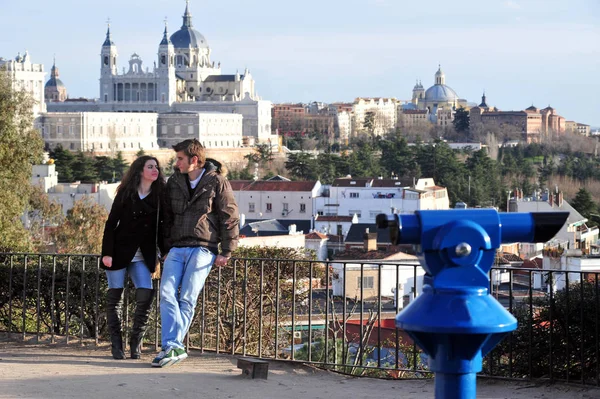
(132, 178)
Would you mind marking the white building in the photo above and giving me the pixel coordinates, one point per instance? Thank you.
(368, 197)
(333, 224)
(384, 114)
(27, 76)
(66, 194)
(318, 243)
(276, 199)
(99, 131)
(398, 267)
(182, 79)
(344, 120)
(212, 129)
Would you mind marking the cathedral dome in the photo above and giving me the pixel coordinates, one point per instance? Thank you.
(440, 93)
(187, 36)
(54, 82)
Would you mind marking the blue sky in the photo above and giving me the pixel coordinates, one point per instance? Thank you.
(545, 52)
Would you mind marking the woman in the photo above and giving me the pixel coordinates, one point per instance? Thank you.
(129, 245)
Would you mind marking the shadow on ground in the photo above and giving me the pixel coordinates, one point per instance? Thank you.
(72, 371)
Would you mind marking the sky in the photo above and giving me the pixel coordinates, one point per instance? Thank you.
(521, 52)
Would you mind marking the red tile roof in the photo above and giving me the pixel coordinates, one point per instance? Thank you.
(315, 235)
(261, 185)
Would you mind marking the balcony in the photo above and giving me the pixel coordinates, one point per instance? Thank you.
(285, 311)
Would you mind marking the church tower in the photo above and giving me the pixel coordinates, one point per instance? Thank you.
(440, 78)
(483, 102)
(418, 93)
(108, 58)
(167, 81)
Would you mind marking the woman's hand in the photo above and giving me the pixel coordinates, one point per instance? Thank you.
(107, 260)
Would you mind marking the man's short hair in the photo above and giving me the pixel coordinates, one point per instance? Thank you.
(191, 147)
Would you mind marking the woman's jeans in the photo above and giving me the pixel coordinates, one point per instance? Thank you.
(187, 267)
(139, 273)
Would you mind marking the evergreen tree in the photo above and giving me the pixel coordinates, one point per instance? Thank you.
(364, 160)
(104, 168)
(21, 146)
(84, 168)
(584, 204)
(461, 120)
(301, 166)
(119, 167)
(63, 159)
(397, 158)
(439, 161)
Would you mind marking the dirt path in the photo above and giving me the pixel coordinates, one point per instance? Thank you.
(59, 371)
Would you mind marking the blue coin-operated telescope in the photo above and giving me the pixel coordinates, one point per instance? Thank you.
(455, 320)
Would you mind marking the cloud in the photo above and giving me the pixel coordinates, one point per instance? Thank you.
(512, 5)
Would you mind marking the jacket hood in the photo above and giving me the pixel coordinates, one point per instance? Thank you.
(213, 165)
(210, 165)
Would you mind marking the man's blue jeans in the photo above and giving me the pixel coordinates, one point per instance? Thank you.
(187, 267)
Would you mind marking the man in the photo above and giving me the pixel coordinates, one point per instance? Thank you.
(199, 214)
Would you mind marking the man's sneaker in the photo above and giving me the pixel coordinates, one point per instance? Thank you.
(171, 357)
(158, 358)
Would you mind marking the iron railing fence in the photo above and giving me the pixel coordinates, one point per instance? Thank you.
(336, 314)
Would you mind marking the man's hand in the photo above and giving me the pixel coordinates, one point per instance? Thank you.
(107, 260)
(221, 260)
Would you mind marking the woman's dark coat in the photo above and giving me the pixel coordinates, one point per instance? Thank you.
(131, 224)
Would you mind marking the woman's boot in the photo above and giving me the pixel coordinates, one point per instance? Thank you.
(114, 305)
(143, 298)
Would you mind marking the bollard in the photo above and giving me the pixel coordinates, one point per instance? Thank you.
(455, 320)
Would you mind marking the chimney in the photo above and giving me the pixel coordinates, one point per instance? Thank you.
(370, 241)
(560, 199)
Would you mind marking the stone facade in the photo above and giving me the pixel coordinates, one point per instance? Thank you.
(27, 76)
(212, 129)
(99, 132)
(384, 110)
(534, 124)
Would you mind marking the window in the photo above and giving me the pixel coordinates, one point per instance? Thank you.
(164, 129)
(373, 214)
(286, 207)
(353, 195)
(251, 207)
(190, 129)
(367, 282)
(269, 207)
(351, 212)
(177, 129)
(302, 208)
